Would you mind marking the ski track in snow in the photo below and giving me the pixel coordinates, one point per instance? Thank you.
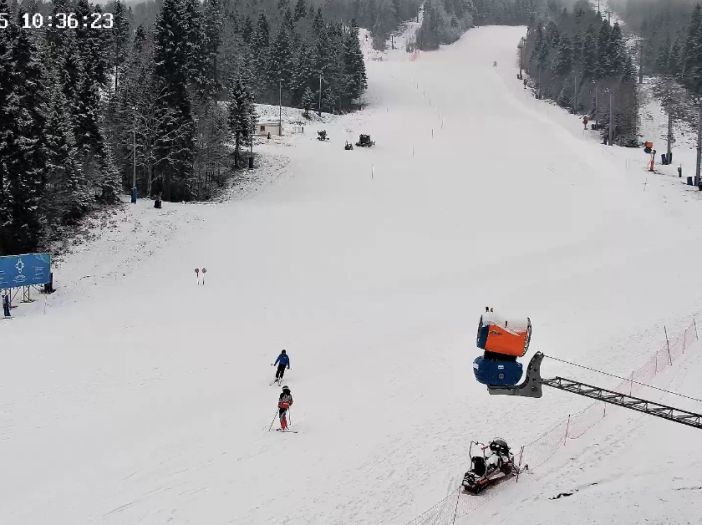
(140, 397)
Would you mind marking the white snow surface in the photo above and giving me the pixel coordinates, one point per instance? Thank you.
(132, 395)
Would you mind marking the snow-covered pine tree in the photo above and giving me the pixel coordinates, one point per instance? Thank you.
(616, 51)
(212, 40)
(92, 45)
(354, 67)
(589, 54)
(119, 40)
(172, 53)
(564, 57)
(247, 30)
(23, 144)
(692, 54)
(5, 131)
(307, 101)
(65, 182)
(604, 62)
(195, 44)
(303, 76)
(260, 51)
(300, 10)
(281, 60)
(242, 117)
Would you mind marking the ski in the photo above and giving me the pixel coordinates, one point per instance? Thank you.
(281, 430)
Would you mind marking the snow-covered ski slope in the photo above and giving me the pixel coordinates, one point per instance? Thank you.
(139, 397)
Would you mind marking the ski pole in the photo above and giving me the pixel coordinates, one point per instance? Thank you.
(274, 416)
(289, 415)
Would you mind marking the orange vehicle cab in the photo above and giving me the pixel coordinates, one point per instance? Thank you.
(508, 337)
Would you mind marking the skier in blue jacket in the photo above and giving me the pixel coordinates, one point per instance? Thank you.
(283, 362)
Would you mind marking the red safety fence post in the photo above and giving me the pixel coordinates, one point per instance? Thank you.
(566, 432)
(667, 343)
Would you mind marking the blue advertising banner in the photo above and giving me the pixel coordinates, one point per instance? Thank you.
(24, 270)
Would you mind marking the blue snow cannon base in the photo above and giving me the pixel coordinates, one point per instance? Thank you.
(497, 372)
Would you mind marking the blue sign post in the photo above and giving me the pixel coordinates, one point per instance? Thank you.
(25, 270)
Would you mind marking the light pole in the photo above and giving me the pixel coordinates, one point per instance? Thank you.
(610, 127)
(134, 154)
(641, 59)
(575, 93)
(134, 181)
(699, 144)
(280, 107)
(319, 108)
(595, 84)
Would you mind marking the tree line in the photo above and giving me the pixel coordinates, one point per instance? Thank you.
(580, 60)
(165, 106)
(671, 38)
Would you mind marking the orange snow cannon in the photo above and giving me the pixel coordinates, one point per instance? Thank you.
(508, 337)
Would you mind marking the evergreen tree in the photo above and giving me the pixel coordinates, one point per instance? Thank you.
(196, 42)
(173, 58)
(90, 45)
(23, 144)
(247, 31)
(120, 39)
(242, 117)
(5, 130)
(212, 40)
(354, 67)
(690, 54)
(675, 60)
(307, 101)
(318, 22)
(692, 58)
(260, 51)
(65, 181)
(663, 58)
(589, 54)
(300, 10)
(564, 57)
(281, 60)
(616, 51)
(604, 63)
(303, 73)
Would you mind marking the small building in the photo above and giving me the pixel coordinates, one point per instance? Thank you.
(264, 128)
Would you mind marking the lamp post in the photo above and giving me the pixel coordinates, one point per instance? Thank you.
(521, 46)
(610, 127)
(280, 107)
(699, 144)
(319, 108)
(594, 82)
(134, 181)
(134, 154)
(641, 59)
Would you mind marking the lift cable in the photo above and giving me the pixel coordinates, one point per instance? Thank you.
(629, 380)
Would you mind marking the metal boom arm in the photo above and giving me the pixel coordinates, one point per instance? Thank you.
(622, 400)
(531, 387)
